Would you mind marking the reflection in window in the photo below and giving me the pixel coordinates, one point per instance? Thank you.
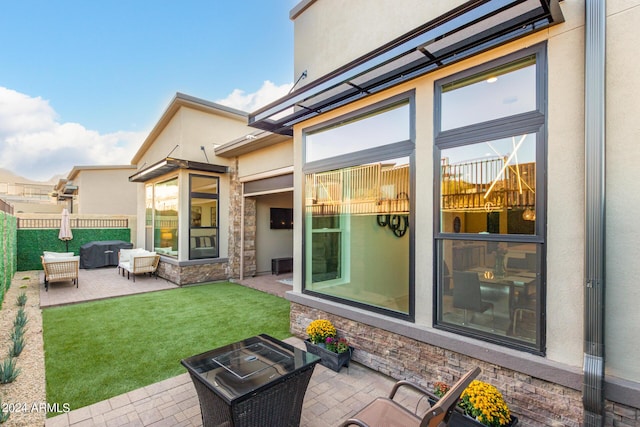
(376, 129)
(355, 225)
(489, 187)
(490, 236)
(203, 230)
(148, 213)
(490, 287)
(500, 92)
(166, 218)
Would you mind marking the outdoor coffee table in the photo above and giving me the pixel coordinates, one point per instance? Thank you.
(259, 381)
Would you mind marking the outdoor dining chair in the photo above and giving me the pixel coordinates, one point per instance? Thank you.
(388, 412)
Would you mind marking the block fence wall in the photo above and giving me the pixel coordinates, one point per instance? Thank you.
(535, 402)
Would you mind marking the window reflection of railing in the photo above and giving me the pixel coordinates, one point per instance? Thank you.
(479, 184)
(367, 189)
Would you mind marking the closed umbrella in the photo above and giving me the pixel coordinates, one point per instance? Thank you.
(65, 228)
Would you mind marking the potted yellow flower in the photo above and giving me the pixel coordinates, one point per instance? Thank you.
(482, 404)
(323, 341)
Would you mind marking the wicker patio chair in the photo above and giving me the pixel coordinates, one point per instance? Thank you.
(140, 264)
(387, 412)
(60, 270)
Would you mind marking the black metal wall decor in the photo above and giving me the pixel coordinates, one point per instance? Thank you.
(396, 222)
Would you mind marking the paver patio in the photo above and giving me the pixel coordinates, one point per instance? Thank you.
(330, 398)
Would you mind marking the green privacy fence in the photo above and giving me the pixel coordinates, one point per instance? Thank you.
(9, 248)
(33, 242)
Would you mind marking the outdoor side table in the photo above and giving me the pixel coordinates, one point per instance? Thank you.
(259, 381)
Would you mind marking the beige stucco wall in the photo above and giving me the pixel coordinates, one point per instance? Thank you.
(105, 191)
(623, 202)
(191, 129)
(265, 160)
(320, 45)
(331, 33)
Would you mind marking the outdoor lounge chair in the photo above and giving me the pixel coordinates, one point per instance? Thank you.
(140, 264)
(387, 412)
(60, 269)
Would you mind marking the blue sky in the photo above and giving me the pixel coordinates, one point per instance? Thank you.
(82, 82)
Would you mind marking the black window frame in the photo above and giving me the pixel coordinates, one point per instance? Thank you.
(211, 196)
(534, 122)
(405, 148)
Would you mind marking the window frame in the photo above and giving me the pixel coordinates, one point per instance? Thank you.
(534, 122)
(398, 149)
(211, 196)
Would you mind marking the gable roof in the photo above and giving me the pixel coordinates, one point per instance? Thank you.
(182, 100)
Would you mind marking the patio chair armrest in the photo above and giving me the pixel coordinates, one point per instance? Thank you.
(413, 386)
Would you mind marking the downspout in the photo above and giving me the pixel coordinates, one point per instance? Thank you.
(594, 308)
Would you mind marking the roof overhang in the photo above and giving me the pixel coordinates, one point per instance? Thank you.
(251, 142)
(474, 27)
(170, 164)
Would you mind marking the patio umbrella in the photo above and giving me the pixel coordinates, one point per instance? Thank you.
(65, 228)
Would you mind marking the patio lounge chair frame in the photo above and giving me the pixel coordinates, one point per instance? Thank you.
(140, 264)
(385, 411)
(60, 271)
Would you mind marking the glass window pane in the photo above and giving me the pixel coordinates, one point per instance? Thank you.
(148, 223)
(356, 228)
(204, 184)
(489, 187)
(490, 287)
(500, 92)
(375, 129)
(203, 231)
(166, 218)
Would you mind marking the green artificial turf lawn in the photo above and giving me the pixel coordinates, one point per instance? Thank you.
(97, 350)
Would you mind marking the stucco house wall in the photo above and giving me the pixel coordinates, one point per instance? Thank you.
(104, 190)
(330, 34)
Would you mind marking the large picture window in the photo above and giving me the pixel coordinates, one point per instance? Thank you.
(357, 241)
(490, 154)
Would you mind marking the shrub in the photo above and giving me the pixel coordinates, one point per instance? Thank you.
(8, 371)
(4, 416)
(21, 319)
(17, 346)
(22, 300)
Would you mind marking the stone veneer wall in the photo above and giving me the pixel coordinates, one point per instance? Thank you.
(235, 217)
(189, 274)
(535, 402)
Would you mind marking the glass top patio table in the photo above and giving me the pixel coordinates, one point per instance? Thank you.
(238, 370)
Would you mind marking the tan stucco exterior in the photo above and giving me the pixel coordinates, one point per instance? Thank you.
(103, 190)
(331, 33)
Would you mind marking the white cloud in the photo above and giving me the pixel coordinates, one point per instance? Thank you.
(33, 144)
(249, 102)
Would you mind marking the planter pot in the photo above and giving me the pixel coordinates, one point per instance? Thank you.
(459, 419)
(333, 361)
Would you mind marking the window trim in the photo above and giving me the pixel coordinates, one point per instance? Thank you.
(529, 122)
(211, 196)
(405, 148)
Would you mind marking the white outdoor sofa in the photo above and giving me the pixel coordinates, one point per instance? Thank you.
(137, 261)
(60, 267)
